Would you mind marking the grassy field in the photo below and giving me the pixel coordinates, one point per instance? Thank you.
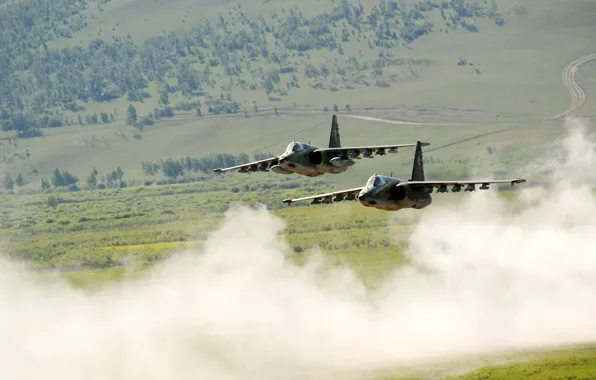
(150, 222)
(143, 225)
(558, 364)
(577, 365)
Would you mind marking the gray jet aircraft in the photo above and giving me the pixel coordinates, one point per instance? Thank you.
(312, 161)
(393, 194)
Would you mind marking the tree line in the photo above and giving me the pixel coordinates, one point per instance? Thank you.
(172, 169)
(65, 180)
(185, 166)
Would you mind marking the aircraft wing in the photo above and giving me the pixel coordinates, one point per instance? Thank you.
(367, 151)
(470, 185)
(336, 196)
(261, 165)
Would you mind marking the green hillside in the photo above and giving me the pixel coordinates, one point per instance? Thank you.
(76, 101)
(213, 57)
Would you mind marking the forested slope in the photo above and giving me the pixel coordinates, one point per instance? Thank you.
(43, 87)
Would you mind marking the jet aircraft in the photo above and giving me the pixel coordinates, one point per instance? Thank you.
(312, 161)
(393, 194)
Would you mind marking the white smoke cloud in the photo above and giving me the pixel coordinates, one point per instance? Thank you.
(485, 276)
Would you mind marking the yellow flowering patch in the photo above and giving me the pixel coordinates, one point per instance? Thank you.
(154, 246)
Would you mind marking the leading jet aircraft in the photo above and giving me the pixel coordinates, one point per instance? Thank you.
(312, 161)
(393, 194)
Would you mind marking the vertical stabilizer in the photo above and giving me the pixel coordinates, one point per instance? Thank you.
(334, 138)
(418, 168)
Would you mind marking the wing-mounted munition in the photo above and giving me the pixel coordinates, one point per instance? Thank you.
(456, 186)
(312, 161)
(257, 166)
(392, 194)
(279, 170)
(348, 195)
(342, 162)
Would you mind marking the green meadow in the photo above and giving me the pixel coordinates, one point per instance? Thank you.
(558, 364)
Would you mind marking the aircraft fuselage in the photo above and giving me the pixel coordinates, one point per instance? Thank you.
(305, 160)
(390, 197)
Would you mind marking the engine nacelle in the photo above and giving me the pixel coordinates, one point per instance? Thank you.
(411, 196)
(421, 203)
(279, 170)
(342, 162)
(399, 192)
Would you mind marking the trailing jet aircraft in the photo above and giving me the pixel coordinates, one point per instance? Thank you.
(312, 161)
(393, 194)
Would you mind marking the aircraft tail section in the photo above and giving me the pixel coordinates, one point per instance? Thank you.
(418, 167)
(334, 138)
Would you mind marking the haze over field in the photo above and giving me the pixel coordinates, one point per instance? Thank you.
(484, 276)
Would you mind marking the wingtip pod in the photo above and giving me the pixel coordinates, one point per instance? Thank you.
(518, 180)
(287, 201)
(422, 143)
(217, 170)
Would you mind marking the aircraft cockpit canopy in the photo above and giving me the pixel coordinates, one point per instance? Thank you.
(377, 180)
(294, 147)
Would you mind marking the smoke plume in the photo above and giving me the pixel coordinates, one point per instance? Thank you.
(485, 275)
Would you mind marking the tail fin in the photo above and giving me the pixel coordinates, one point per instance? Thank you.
(334, 138)
(418, 168)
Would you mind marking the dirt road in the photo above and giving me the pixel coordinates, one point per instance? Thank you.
(578, 97)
